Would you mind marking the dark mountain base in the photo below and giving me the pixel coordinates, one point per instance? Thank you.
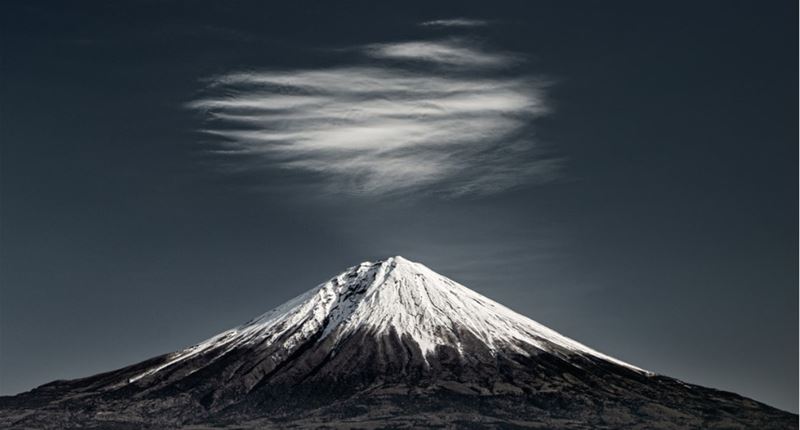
(443, 404)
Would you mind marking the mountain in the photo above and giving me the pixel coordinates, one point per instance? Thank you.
(385, 344)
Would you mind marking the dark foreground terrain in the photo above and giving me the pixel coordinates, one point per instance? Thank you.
(595, 396)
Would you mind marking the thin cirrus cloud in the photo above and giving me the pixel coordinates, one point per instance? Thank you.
(422, 116)
(455, 22)
(446, 53)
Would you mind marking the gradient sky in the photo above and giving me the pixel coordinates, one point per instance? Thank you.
(626, 173)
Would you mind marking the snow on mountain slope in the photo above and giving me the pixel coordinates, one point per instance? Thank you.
(394, 294)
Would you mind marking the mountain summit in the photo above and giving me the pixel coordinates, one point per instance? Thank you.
(397, 304)
(389, 343)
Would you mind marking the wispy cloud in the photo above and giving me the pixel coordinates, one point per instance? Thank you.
(455, 22)
(449, 52)
(376, 128)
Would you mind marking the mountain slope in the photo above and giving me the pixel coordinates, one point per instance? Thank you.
(387, 343)
(392, 296)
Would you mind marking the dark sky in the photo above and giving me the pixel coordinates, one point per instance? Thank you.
(667, 235)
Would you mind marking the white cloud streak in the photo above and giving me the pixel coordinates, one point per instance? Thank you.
(455, 22)
(382, 128)
(450, 53)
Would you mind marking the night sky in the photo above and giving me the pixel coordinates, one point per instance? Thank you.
(624, 173)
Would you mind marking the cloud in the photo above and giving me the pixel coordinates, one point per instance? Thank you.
(455, 22)
(382, 127)
(452, 53)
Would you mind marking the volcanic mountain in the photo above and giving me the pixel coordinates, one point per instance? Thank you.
(385, 344)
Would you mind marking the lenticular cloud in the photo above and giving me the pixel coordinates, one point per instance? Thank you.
(422, 116)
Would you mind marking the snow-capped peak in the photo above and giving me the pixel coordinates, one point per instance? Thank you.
(394, 295)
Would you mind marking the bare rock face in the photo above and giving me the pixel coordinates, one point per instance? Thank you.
(385, 344)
